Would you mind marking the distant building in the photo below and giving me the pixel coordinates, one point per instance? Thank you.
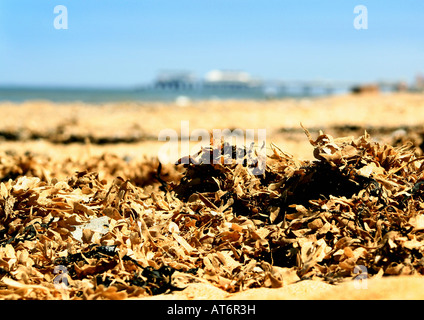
(175, 80)
(419, 82)
(228, 79)
(366, 88)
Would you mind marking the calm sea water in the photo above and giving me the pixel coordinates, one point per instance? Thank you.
(144, 94)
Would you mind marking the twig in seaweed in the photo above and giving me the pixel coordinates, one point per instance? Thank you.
(164, 185)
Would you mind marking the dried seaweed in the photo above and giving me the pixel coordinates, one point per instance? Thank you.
(359, 203)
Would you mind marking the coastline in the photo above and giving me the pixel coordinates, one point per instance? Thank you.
(132, 128)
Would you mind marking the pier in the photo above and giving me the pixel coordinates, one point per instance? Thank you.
(233, 80)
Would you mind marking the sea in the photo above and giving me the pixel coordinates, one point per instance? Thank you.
(148, 94)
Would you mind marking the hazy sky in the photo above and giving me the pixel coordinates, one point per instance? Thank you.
(125, 43)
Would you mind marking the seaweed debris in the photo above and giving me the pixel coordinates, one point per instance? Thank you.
(359, 203)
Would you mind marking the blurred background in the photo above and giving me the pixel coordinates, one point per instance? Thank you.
(162, 50)
(84, 77)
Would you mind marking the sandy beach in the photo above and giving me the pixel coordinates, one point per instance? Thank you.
(116, 139)
(132, 128)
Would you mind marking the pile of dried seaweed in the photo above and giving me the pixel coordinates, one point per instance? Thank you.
(109, 166)
(358, 204)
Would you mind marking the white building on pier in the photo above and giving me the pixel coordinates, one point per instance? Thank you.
(229, 79)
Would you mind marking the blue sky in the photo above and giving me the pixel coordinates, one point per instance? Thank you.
(125, 43)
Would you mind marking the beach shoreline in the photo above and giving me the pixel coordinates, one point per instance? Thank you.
(132, 128)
